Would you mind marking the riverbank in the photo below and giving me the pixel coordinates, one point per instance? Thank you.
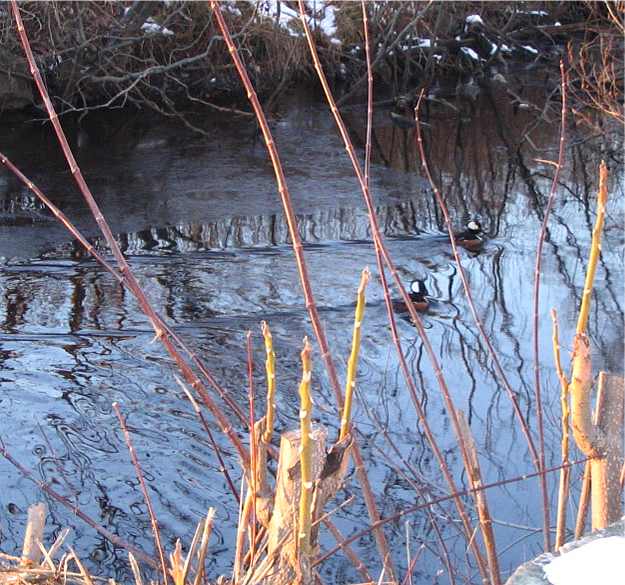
(168, 56)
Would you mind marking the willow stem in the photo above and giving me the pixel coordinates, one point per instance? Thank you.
(305, 502)
(352, 364)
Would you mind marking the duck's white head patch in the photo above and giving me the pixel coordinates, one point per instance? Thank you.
(416, 286)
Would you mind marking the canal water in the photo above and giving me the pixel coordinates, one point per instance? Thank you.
(200, 221)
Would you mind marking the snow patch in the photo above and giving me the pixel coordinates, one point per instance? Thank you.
(324, 17)
(231, 6)
(153, 28)
(600, 561)
(327, 23)
(471, 53)
(530, 49)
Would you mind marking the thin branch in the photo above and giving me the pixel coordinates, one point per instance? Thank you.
(536, 299)
(144, 491)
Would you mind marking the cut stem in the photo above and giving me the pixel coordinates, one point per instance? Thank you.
(565, 473)
(305, 502)
(270, 367)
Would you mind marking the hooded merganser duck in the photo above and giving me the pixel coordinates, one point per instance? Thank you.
(418, 298)
(403, 122)
(470, 238)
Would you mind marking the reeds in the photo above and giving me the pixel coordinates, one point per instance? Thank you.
(313, 494)
(37, 564)
(311, 306)
(383, 259)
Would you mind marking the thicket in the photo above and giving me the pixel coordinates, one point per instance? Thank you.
(170, 57)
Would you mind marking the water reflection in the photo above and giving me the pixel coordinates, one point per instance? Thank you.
(202, 227)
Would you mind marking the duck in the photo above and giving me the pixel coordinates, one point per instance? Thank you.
(403, 122)
(470, 238)
(418, 298)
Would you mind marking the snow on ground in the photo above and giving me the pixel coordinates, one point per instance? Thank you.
(530, 49)
(470, 52)
(474, 19)
(153, 28)
(601, 561)
(326, 22)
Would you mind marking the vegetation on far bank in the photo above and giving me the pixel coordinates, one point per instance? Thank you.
(169, 56)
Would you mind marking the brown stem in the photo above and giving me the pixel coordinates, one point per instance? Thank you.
(383, 252)
(486, 525)
(124, 268)
(414, 508)
(536, 299)
(44, 487)
(144, 491)
(300, 260)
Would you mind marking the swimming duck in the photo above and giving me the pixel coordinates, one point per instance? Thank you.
(470, 238)
(418, 298)
(403, 122)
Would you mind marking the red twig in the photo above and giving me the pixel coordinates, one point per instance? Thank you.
(44, 487)
(462, 493)
(144, 491)
(162, 333)
(211, 439)
(300, 260)
(201, 390)
(536, 300)
(472, 308)
(383, 253)
(253, 447)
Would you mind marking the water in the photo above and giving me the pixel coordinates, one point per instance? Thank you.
(200, 221)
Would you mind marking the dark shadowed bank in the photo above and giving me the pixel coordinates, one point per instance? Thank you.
(168, 57)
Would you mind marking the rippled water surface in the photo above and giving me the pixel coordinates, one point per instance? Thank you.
(200, 221)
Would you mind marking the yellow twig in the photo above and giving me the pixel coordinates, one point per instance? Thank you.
(352, 364)
(305, 503)
(270, 367)
(595, 249)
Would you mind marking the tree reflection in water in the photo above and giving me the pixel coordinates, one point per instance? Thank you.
(203, 231)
